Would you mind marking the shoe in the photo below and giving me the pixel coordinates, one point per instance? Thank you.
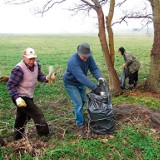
(122, 87)
(2, 143)
(135, 83)
(81, 129)
(130, 86)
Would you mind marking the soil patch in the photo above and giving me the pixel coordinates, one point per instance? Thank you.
(137, 114)
(144, 94)
(124, 114)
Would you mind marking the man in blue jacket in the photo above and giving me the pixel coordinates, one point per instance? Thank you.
(75, 79)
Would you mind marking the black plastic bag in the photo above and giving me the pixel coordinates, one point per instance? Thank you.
(122, 79)
(100, 111)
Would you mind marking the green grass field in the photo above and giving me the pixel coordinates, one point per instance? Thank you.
(128, 142)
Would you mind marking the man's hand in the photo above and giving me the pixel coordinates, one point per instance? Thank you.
(20, 102)
(51, 78)
(97, 90)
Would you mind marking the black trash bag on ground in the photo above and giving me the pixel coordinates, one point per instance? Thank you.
(100, 110)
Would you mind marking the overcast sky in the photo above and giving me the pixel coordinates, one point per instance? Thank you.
(20, 19)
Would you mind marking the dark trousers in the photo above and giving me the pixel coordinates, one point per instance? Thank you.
(133, 78)
(24, 114)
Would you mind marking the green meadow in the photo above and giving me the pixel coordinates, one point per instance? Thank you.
(127, 142)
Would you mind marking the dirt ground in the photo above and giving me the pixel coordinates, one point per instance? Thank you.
(124, 114)
(137, 114)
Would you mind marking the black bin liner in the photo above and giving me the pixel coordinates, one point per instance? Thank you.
(100, 111)
(122, 79)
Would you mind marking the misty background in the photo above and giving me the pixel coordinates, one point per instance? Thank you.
(19, 19)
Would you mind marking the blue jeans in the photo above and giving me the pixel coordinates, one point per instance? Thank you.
(78, 97)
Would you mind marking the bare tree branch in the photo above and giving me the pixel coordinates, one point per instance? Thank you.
(132, 16)
(87, 3)
(146, 24)
(48, 5)
(16, 2)
(85, 6)
(122, 19)
(81, 7)
(138, 16)
(97, 3)
(119, 4)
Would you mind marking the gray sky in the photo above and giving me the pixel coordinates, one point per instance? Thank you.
(20, 19)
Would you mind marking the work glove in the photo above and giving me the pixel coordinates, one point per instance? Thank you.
(97, 90)
(20, 102)
(51, 76)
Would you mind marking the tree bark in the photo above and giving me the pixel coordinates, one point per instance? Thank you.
(115, 89)
(109, 29)
(153, 81)
(110, 36)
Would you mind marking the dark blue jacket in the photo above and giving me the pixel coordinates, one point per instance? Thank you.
(76, 72)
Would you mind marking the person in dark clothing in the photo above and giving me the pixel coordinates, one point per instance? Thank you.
(21, 86)
(130, 69)
(75, 79)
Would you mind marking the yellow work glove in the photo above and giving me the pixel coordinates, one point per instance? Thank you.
(20, 102)
(51, 76)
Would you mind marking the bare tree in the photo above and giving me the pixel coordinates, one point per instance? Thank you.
(104, 26)
(153, 81)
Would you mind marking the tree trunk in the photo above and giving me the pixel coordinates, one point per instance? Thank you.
(115, 89)
(109, 29)
(110, 35)
(153, 81)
